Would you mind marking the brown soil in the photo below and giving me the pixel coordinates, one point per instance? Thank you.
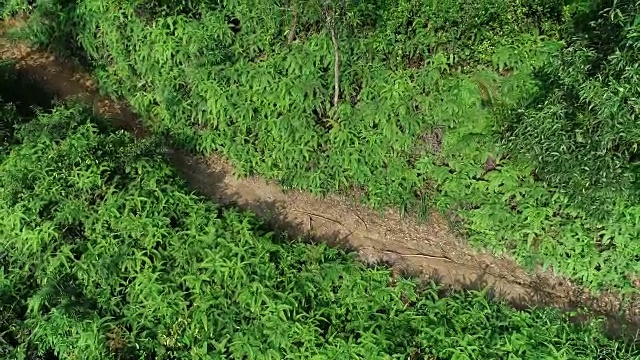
(426, 249)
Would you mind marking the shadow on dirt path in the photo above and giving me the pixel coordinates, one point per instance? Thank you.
(426, 249)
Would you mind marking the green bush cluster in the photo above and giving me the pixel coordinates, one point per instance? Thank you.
(429, 91)
(580, 126)
(104, 254)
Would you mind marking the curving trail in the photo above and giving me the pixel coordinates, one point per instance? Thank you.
(428, 249)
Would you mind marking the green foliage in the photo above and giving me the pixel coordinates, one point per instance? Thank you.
(105, 255)
(7, 124)
(11, 7)
(430, 90)
(580, 127)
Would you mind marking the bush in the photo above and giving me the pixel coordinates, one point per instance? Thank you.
(580, 127)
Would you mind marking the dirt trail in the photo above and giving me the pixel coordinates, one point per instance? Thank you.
(429, 249)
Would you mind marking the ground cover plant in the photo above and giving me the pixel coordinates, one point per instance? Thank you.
(105, 254)
(515, 117)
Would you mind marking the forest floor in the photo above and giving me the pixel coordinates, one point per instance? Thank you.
(421, 248)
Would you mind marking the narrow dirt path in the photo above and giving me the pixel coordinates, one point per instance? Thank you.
(427, 249)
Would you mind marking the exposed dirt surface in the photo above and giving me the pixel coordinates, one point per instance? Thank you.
(427, 249)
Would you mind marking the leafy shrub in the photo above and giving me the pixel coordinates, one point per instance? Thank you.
(106, 255)
(580, 127)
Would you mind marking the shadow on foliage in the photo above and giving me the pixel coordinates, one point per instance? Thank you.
(588, 148)
(153, 9)
(23, 97)
(615, 326)
(59, 28)
(22, 91)
(600, 35)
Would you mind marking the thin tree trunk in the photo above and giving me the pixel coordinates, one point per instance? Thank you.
(331, 24)
(336, 68)
(294, 21)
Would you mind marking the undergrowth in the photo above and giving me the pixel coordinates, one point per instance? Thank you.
(516, 118)
(105, 254)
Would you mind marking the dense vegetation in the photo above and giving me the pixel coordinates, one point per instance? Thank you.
(105, 254)
(518, 118)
